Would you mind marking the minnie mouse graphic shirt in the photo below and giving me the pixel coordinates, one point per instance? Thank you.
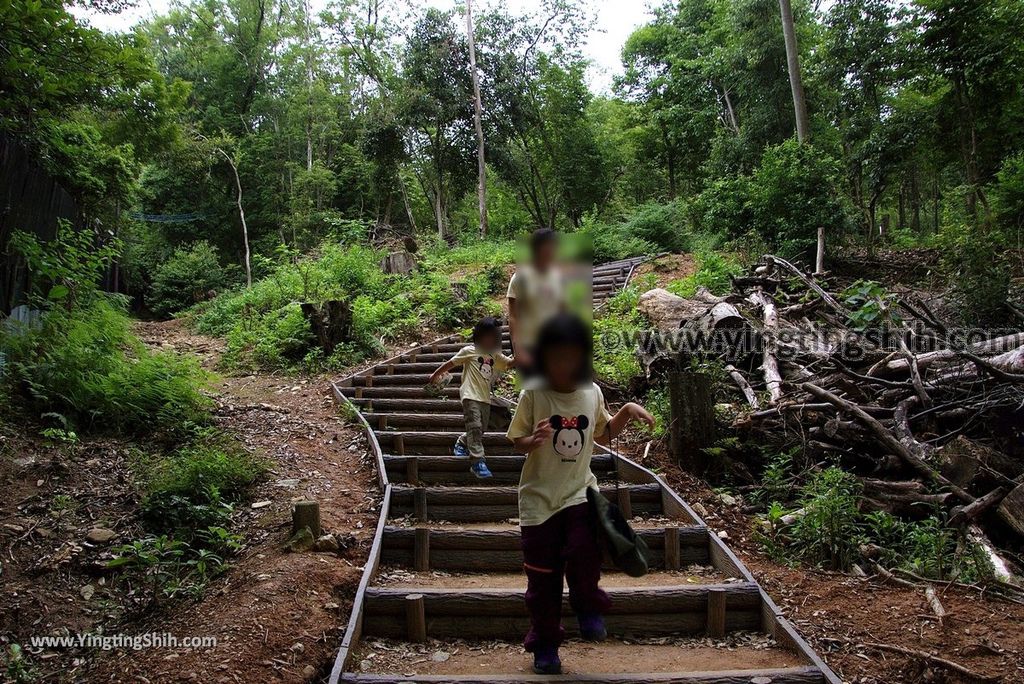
(479, 371)
(557, 473)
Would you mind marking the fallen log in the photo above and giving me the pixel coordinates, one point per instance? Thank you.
(996, 345)
(888, 440)
(669, 312)
(974, 510)
(813, 286)
(770, 365)
(1000, 568)
(744, 386)
(1011, 510)
(935, 604)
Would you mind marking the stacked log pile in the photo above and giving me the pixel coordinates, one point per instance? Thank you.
(926, 415)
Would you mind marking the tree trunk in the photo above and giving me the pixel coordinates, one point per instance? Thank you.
(670, 160)
(478, 121)
(241, 216)
(692, 430)
(405, 201)
(803, 126)
(331, 323)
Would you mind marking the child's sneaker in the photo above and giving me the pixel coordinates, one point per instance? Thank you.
(481, 470)
(546, 661)
(592, 628)
(460, 449)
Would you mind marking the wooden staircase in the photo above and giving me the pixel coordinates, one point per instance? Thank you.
(455, 540)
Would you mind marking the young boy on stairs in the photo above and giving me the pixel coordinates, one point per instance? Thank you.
(482, 362)
(556, 424)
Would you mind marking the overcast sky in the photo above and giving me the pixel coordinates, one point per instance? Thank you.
(616, 19)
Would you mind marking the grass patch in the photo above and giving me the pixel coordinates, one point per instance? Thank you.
(265, 329)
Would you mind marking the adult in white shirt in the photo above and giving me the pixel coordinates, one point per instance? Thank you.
(535, 295)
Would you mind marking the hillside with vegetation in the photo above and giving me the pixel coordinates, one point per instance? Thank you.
(269, 194)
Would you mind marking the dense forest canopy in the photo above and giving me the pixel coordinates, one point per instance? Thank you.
(357, 121)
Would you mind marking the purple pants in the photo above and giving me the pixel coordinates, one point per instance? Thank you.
(564, 545)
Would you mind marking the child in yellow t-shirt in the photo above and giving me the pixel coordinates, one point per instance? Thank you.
(482, 362)
(556, 426)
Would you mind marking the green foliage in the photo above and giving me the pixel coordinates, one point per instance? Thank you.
(17, 667)
(173, 568)
(665, 226)
(1007, 196)
(828, 533)
(976, 264)
(195, 486)
(657, 402)
(871, 305)
(792, 192)
(186, 278)
(86, 367)
(66, 268)
(724, 207)
(611, 241)
(714, 272)
(615, 333)
(265, 328)
(827, 528)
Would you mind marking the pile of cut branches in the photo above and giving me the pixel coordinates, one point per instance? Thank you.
(927, 415)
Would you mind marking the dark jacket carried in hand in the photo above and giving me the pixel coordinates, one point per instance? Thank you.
(628, 551)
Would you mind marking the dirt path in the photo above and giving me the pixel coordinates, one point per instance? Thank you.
(276, 616)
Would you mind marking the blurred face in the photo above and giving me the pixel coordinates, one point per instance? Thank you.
(490, 341)
(544, 255)
(563, 365)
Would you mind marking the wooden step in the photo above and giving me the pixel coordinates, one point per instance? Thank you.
(634, 612)
(450, 348)
(434, 422)
(390, 392)
(395, 576)
(789, 675)
(452, 469)
(499, 550)
(412, 443)
(406, 380)
(493, 503)
(424, 406)
(437, 422)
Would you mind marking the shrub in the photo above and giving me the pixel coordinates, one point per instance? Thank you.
(829, 529)
(792, 192)
(976, 265)
(663, 225)
(193, 487)
(614, 335)
(714, 272)
(1007, 195)
(85, 366)
(611, 241)
(186, 278)
(828, 533)
(723, 208)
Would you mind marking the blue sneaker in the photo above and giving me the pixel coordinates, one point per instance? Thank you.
(460, 449)
(592, 627)
(481, 470)
(546, 661)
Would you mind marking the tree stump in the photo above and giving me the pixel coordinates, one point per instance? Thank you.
(692, 426)
(306, 514)
(400, 263)
(331, 323)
